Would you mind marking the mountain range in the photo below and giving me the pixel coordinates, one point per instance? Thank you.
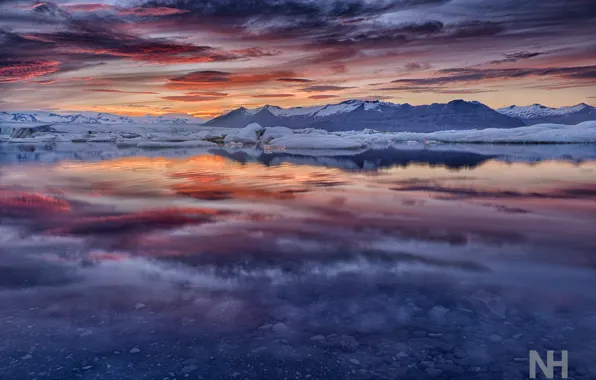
(361, 114)
(537, 113)
(95, 118)
(347, 115)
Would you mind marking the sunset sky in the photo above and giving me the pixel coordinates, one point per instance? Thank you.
(204, 57)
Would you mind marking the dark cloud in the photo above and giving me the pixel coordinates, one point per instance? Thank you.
(325, 88)
(434, 90)
(219, 79)
(518, 56)
(417, 66)
(159, 11)
(203, 77)
(355, 35)
(475, 29)
(290, 10)
(86, 40)
(322, 96)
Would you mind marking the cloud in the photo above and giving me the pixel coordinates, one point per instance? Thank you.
(103, 7)
(88, 41)
(416, 66)
(322, 96)
(208, 93)
(221, 79)
(121, 92)
(435, 90)
(518, 56)
(83, 43)
(87, 7)
(471, 75)
(325, 88)
(294, 80)
(16, 70)
(191, 98)
(339, 41)
(273, 96)
(46, 81)
(158, 11)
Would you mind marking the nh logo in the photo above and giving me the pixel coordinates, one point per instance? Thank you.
(548, 369)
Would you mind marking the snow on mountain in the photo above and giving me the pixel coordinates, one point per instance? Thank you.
(537, 113)
(538, 110)
(343, 107)
(322, 110)
(288, 112)
(93, 118)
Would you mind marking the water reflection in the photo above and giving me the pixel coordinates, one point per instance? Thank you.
(214, 265)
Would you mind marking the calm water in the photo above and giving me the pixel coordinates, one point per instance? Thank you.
(239, 265)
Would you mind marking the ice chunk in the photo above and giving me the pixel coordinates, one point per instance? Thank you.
(247, 135)
(33, 140)
(102, 139)
(275, 132)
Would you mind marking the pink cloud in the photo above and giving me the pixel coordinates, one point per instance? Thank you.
(15, 71)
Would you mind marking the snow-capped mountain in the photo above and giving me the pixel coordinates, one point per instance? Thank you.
(321, 111)
(537, 113)
(361, 114)
(94, 118)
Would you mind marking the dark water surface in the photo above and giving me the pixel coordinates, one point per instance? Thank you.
(231, 265)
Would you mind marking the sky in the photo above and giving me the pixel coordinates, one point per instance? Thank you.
(205, 57)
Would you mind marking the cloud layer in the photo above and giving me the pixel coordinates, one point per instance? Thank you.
(296, 50)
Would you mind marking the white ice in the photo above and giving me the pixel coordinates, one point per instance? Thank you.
(247, 135)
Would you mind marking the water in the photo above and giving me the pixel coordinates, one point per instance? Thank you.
(450, 263)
